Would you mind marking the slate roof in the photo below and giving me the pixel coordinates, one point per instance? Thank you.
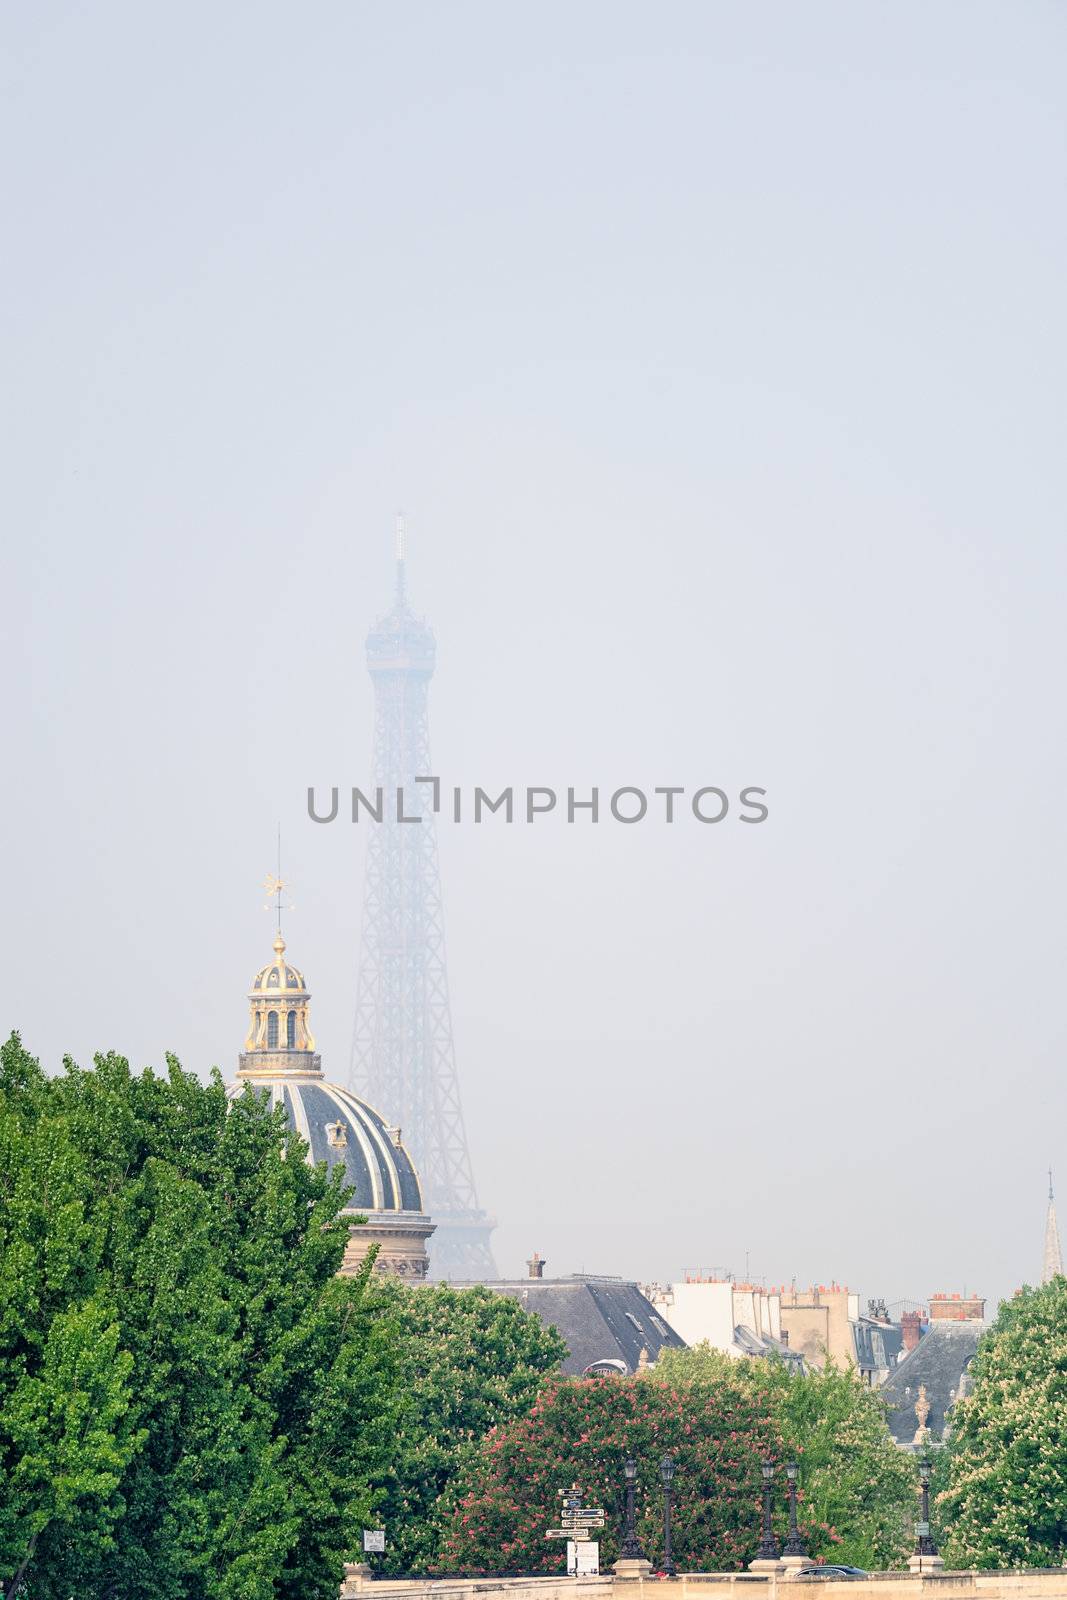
(752, 1345)
(878, 1344)
(600, 1319)
(939, 1361)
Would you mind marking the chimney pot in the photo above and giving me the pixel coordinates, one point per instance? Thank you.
(911, 1329)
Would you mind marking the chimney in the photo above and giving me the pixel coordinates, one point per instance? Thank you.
(911, 1327)
(957, 1308)
(536, 1265)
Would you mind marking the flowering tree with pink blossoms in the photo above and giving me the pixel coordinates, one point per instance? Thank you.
(579, 1431)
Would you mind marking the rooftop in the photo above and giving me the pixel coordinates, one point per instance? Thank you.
(604, 1322)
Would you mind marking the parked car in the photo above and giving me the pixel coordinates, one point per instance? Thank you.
(830, 1570)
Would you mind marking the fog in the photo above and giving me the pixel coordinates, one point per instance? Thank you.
(716, 356)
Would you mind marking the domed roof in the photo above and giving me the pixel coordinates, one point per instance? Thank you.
(280, 1058)
(344, 1131)
(278, 974)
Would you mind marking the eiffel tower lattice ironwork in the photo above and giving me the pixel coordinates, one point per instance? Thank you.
(403, 1054)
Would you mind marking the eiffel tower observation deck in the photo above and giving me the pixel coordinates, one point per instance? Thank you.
(403, 1054)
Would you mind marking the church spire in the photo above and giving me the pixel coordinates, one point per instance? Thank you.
(1053, 1263)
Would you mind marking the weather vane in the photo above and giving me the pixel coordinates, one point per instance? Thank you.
(276, 887)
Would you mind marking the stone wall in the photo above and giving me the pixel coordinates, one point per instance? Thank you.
(1049, 1584)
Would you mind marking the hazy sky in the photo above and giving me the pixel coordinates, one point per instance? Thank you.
(716, 354)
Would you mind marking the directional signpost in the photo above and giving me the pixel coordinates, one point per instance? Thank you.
(577, 1522)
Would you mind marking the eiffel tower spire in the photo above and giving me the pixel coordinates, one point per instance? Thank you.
(403, 1056)
(1053, 1264)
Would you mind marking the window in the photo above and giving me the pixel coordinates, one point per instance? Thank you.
(290, 1031)
(272, 1030)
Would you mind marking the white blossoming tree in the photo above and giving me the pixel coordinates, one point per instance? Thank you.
(1005, 1470)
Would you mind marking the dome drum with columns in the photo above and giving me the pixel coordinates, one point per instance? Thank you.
(279, 1057)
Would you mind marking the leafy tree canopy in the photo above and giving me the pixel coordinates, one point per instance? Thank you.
(471, 1361)
(1004, 1466)
(192, 1404)
(856, 1497)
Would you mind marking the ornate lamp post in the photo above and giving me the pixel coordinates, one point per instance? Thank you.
(631, 1549)
(768, 1545)
(924, 1543)
(666, 1472)
(794, 1545)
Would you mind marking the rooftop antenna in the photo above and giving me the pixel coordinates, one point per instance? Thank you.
(275, 886)
(1050, 1183)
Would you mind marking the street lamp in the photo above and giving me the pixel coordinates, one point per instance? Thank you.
(924, 1542)
(666, 1472)
(794, 1545)
(631, 1550)
(768, 1545)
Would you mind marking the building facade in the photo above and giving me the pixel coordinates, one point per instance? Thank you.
(741, 1319)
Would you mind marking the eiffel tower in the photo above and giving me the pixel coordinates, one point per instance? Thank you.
(403, 1055)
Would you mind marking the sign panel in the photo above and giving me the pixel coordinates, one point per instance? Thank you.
(577, 1521)
(373, 1539)
(583, 1557)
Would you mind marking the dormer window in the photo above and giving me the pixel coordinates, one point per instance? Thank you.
(272, 978)
(336, 1135)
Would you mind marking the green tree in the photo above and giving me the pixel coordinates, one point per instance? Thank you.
(66, 1434)
(178, 1258)
(856, 1497)
(1005, 1469)
(470, 1361)
(579, 1431)
(68, 1444)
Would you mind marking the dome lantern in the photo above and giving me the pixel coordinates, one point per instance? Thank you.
(279, 1037)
